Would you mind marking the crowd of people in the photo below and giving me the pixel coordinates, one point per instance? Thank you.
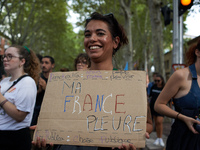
(22, 91)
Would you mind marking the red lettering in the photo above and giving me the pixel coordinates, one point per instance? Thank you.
(116, 103)
(90, 103)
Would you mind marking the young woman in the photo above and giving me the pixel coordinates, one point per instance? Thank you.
(158, 118)
(103, 37)
(17, 101)
(183, 87)
(82, 62)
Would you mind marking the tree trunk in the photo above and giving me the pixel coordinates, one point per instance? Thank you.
(157, 35)
(129, 53)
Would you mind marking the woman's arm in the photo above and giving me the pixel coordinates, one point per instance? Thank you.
(149, 127)
(12, 111)
(171, 89)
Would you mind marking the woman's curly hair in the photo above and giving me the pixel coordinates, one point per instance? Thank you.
(32, 63)
(81, 57)
(190, 54)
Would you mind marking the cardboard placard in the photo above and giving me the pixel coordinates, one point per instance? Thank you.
(94, 108)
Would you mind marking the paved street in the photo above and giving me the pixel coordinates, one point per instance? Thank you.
(166, 131)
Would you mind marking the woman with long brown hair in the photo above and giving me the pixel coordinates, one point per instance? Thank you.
(17, 97)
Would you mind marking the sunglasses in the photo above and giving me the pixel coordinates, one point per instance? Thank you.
(156, 80)
(109, 15)
(82, 62)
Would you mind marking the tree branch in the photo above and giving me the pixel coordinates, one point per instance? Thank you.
(25, 32)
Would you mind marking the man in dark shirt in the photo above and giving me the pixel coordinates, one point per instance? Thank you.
(47, 65)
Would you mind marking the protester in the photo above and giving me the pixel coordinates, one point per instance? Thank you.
(2, 72)
(64, 69)
(103, 38)
(183, 87)
(48, 64)
(17, 101)
(40, 59)
(0, 76)
(82, 62)
(151, 83)
(158, 118)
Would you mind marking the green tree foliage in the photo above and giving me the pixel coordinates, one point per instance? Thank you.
(42, 26)
(141, 28)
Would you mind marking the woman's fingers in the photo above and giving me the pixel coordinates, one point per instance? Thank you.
(147, 135)
(125, 147)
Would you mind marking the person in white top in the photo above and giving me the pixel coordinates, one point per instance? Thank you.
(17, 101)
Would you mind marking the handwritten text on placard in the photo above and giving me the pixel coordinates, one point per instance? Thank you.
(94, 108)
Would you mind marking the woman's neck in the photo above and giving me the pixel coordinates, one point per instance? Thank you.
(16, 75)
(101, 66)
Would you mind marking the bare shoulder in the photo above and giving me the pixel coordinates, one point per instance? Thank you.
(180, 82)
(181, 74)
(179, 79)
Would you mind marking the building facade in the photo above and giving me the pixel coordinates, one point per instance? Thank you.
(168, 57)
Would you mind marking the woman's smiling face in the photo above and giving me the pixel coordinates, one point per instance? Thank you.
(98, 41)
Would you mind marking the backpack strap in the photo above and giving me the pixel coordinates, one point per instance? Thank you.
(15, 82)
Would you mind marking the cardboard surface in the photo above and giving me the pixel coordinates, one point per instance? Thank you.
(94, 108)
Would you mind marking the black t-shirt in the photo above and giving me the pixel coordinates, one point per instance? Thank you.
(40, 95)
(155, 91)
